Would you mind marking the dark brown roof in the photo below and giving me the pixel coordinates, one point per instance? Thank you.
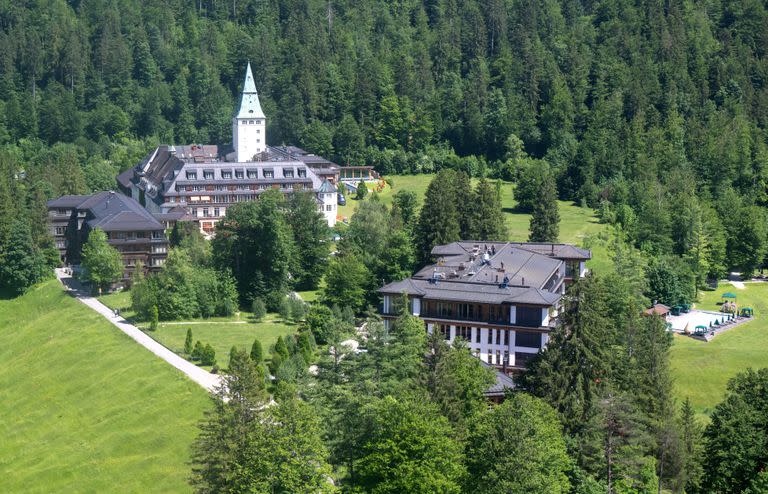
(658, 309)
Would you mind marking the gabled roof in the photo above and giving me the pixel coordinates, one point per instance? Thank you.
(250, 107)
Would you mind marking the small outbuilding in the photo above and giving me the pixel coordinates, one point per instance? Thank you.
(658, 310)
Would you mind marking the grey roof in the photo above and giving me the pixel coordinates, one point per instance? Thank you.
(557, 251)
(503, 382)
(471, 292)
(326, 187)
(520, 266)
(66, 201)
(111, 211)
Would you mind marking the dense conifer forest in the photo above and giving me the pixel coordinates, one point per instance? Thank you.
(655, 112)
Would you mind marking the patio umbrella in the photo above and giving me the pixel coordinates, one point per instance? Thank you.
(729, 295)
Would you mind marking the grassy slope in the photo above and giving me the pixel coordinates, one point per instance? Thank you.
(575, 222)
(702, 369)
(222, 336)
(84, 408)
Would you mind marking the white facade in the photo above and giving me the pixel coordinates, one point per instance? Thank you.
(329, 201)
(249, 126)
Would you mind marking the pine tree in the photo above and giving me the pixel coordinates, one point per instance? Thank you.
(691, 470)
(545, 219)
(310, 233)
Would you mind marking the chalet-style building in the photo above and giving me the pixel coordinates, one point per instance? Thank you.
(130, 228)
(502, 298)
(207, 179)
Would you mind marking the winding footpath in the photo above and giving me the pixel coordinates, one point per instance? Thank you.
(200, 376)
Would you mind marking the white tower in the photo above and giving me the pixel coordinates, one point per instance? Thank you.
(249, 127)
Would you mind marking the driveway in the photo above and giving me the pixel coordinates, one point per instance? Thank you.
(200, 376)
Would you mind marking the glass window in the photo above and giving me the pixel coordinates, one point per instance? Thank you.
(477, 335)
(253, 173)
(226, 174)
(208, 174)
(446, 331)
(528, 339)
(239, 174)
(191, 175)
(506, 337)
(490, 336)
(269, 174)
(288, 172)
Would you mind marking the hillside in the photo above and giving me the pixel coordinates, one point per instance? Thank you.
(84, 408)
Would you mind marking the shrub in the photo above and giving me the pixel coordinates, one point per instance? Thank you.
(197, 351)
(298, 308)
(208, 356)
(362, 191)
(284, 309)
(259, 309)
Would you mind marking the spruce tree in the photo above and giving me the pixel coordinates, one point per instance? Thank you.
(545, 218)
(259, 309)
(488, 216)
(188, 342)
(257, 353)
(439, 217)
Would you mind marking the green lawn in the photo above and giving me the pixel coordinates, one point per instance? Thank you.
(86, 409)
(223, 336)
(702, 369)
(576, 223)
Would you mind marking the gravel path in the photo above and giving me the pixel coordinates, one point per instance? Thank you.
(200, 376)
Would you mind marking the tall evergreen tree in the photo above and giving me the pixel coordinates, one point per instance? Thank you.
(545, 218)
(439, 217)
(489, 222)
(310, 234)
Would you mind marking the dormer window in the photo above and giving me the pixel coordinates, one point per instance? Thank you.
(239, 174)
(302, 172)
(226, 174)
(191, 175)
(250, 122)
(208, 174)
(288, 172)
(269, 174)
(253, 173)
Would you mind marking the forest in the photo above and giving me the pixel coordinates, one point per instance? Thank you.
(654, 112)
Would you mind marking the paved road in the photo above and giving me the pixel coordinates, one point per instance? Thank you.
(200, 376)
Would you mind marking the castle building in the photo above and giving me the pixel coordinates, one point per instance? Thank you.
(501, 298)
(207, 179)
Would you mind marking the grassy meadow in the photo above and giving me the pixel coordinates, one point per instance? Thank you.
(86, 409)
(702, 369)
